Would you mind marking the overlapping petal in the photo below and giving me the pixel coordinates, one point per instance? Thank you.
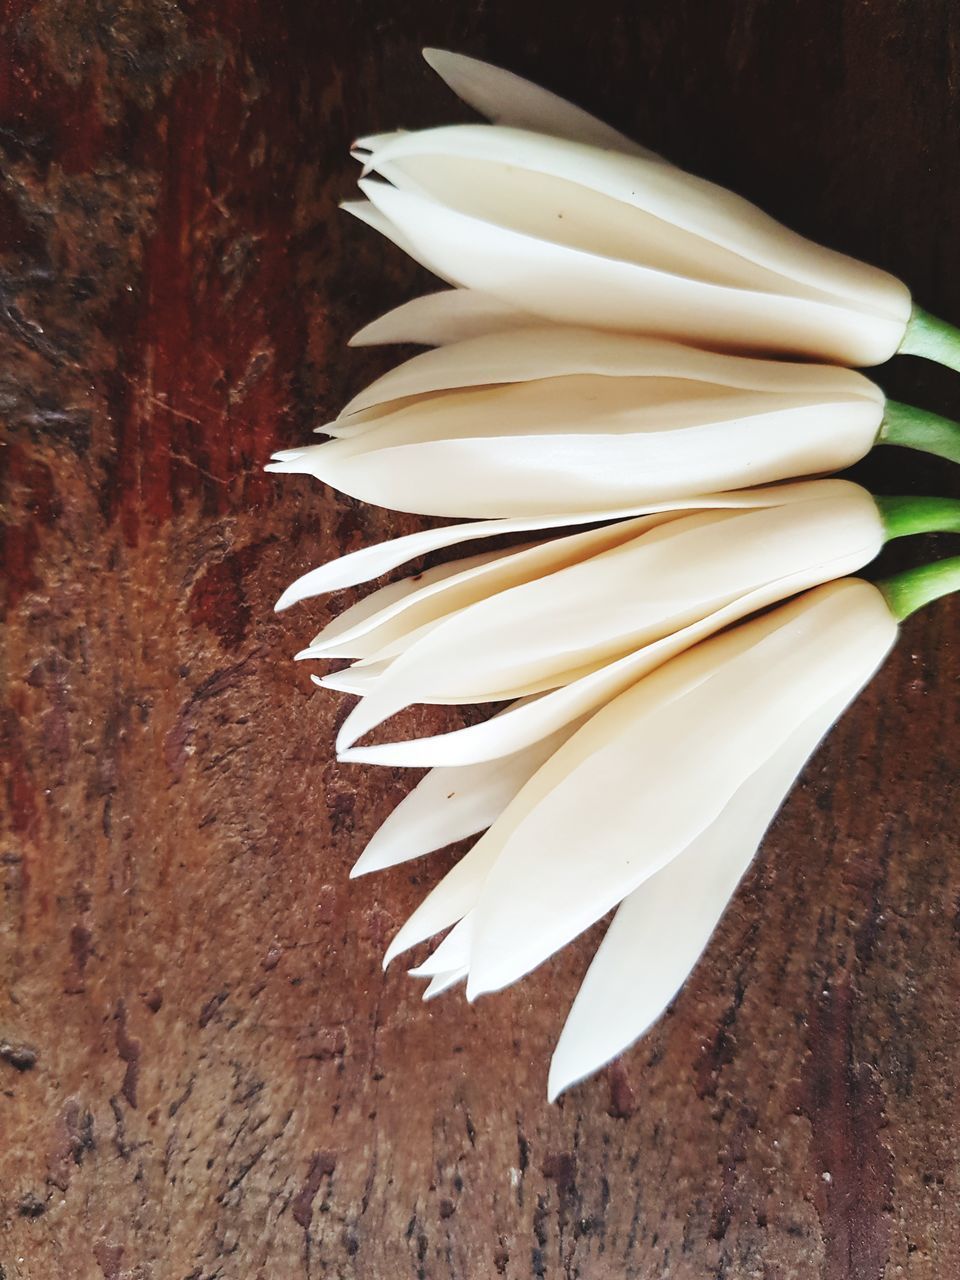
(595, 611)
(552, 213)
(683, 773)
(545, 420)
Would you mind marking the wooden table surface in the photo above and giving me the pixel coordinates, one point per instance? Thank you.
(203, 1073)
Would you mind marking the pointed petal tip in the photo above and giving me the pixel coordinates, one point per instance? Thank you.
(566, 1072)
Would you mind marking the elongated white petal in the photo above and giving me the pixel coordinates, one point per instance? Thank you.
(451, 955)
(466, 582)
(508, 99)
(363, 615)
(443, 982)
(342, 636)
(624, 207)
(541, 715)
(577, 287)
(661, 929)
(356, 680)
(370, 215)
(450, 804)
(551, 630)
(451, 315)
(666, 762)
(537, 351)
(498, 476)
(374, 561)
(456, 894)
(542, 633)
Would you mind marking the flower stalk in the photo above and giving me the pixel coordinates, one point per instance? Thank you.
(932, 339)
(913, 428)
(910, 590)
(904, 517)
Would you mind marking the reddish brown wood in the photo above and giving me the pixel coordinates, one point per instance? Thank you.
(204, 1073)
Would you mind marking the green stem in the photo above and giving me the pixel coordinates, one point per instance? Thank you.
(931, 338)
(903, 517)
(911, 590)
(914, 428)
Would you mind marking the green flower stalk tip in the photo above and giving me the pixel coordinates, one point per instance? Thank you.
(909, 591)
(903, 517)
(913, 428)
(932, 339)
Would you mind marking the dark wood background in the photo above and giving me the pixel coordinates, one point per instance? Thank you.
(203, 1073)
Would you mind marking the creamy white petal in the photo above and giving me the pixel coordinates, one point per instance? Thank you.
(516, 728)
(465, 582)
(508, 99)
(355, 680)
(452, 954)
(374, 611)
(662, 928)
(625, 207)
(456, 894)
(576, 287)
(373, 217)
(539, 351)
(554, 629)
(666, 763)
(363, 615)
(374, 561)
(443, 982)
(450, 804)
(451, 315)
(610, 464)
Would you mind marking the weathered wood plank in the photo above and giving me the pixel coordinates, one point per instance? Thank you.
(203, 1072)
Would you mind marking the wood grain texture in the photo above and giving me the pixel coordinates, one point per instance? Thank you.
(203, 1073)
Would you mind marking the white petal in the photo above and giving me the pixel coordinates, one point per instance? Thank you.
(443, 982)
(624, 207)
(359, 616)
(451, 955)
(544, 632)
(508, 99)
(614, 461)
(373, 217)
(557, 629)
(355, 680)
(539, 351)
(450, 804)
(665, 759)
(661, 929)
(456, 894)
(374, 561)
(437, 318)
(437, 595)
(380, 606)
(371, 562)
(577, 287)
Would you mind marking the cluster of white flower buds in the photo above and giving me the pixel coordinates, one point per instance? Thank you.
(639, 373)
